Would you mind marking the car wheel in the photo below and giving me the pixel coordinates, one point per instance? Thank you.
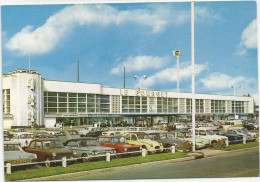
(214, 144)
(85, 160)
(47, 162)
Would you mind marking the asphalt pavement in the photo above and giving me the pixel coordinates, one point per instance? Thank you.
(217, 164)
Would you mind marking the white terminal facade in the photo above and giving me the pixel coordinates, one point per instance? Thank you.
(28, 99)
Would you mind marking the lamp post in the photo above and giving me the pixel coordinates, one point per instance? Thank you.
(177, 54)
(234, 87)
(144, 77)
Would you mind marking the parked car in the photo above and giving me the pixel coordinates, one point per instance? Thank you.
(250, 136)
(53, 131)
(142, 139)
(168, 140)
(200, 142)
(95, 132)
(181, 126)
(14, 154)
(209, 135)
(7, 135)
(85, 131)
(18, 130)
(66, 135)
(23, 138)
(117, 142)
(232, 137)
(88, 147)
(48, 149)
(232, 124)
(113, 132)
(43, 134)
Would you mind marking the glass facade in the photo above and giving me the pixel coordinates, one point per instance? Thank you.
(218, 106)
(238, 107)
(63, 102)
(6, 101)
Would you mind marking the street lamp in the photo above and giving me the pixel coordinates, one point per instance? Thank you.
(177, 54)
(234, 87)
(144, 77)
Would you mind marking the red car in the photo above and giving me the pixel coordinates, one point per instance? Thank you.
(119, 143)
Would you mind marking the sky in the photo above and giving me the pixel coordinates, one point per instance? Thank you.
(141, 37)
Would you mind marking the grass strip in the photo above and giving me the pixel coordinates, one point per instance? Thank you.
(77, 167)
(238, 146)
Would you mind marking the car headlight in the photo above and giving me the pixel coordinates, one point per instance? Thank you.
(140, 147)
(93, 153)
(74, 153)
(113, 151)
(53, 154)
(125, 149)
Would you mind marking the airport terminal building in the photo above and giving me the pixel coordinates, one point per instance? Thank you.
(28, 99)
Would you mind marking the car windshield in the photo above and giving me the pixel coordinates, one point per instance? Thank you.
(12, 147)
(156, 136)
(209, 132)
(51, 144)
(84, 143)
(143, 137)
(116, 140)
(25, 136)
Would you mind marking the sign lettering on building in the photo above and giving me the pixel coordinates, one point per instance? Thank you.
(147, 93)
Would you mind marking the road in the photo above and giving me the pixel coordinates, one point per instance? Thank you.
(242, 164)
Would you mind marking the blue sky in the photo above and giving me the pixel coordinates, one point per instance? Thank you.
(141, 37)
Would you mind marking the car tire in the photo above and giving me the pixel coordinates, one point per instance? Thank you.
(85, 160)
(47, 162)
(214, 143)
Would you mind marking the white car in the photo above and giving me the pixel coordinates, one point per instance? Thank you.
(209, 134)
(24, 138)
(85, 131)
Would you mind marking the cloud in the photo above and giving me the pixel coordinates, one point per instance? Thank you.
(169, 75)
(219, 81)
(43, 39)
(140, 63)
(248, 39)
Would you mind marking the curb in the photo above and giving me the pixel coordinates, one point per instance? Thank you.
(63, 176)
(104, 170)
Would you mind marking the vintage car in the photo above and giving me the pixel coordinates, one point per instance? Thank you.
(43, 134)
(209, 135)
(85, 131)
(48, 149)
(23, 138)
(14, 154)
(113, 132)
(88, 147)
(142, 139)
(54, 131)
(66, 135)
(95, 132)
(119, 143)
(232, 124)
(250, 136)
(168, 140)
(200, 142)
(7, 135)
(232, 136)
(18, 130)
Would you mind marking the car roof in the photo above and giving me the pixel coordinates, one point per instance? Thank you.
(45, 139)
(20, 133)
(11, 142)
